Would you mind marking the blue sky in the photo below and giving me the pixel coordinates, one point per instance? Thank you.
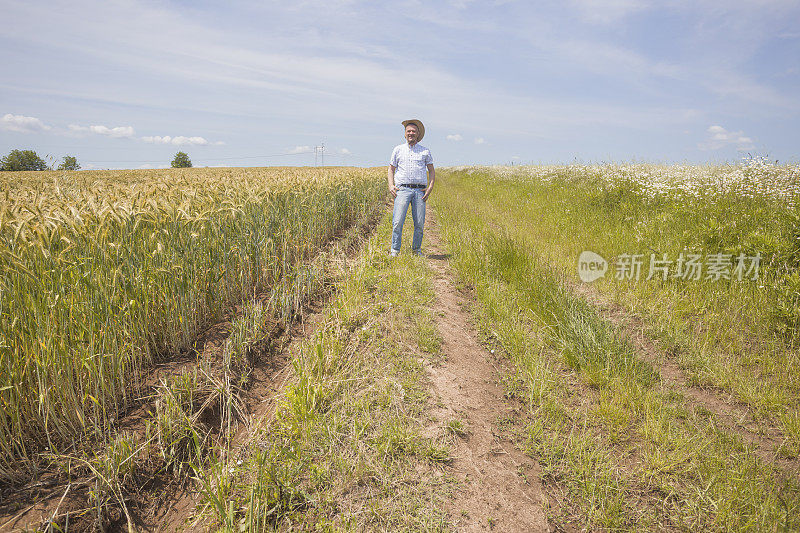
(126, 84)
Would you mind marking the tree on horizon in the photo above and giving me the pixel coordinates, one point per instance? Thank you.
(70, 162)
(181, 160)
(22, 160)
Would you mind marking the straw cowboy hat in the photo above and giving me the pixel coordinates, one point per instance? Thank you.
(418, 124)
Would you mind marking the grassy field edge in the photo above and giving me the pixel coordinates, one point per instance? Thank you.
(628, 452)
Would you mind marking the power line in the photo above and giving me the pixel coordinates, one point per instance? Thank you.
(205, 159)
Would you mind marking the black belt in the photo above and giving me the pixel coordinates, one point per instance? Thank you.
(413, 185)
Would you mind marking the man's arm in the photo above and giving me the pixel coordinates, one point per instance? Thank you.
(390, 179)
(431, 179)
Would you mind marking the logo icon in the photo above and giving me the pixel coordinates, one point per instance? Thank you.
(591, 266)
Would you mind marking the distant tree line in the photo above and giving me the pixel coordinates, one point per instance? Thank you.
(25, 160)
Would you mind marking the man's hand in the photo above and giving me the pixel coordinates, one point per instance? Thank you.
(390, 181)
(431, 180)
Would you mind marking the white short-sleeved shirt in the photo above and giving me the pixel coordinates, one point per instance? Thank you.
(410, 163)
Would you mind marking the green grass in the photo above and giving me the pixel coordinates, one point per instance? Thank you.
(628, 452)
(345, 450)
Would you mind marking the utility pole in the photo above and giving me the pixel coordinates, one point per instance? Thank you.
(319, 150)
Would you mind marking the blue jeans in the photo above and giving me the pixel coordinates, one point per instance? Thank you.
(406, 196)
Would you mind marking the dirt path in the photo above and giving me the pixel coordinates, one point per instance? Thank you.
(499, 485)
(767, 440)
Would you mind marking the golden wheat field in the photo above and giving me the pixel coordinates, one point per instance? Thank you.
(105, 272)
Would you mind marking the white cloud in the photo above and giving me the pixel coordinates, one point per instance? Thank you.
(480, 140)
(117, 133)
(345, 151)
(456, 137)
(344, 84)
(194, 141)
(177, 141)
(719, 137)
(280, 68)
(22, 124)
(300, 150)
(128, 132)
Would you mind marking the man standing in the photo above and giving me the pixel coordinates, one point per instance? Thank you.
(411, 178)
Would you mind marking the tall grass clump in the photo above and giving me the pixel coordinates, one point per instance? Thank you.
(105, 272)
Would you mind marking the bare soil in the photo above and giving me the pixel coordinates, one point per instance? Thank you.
(499, 486)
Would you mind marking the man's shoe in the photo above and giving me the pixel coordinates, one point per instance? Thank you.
(417, 252)
(393, 253)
